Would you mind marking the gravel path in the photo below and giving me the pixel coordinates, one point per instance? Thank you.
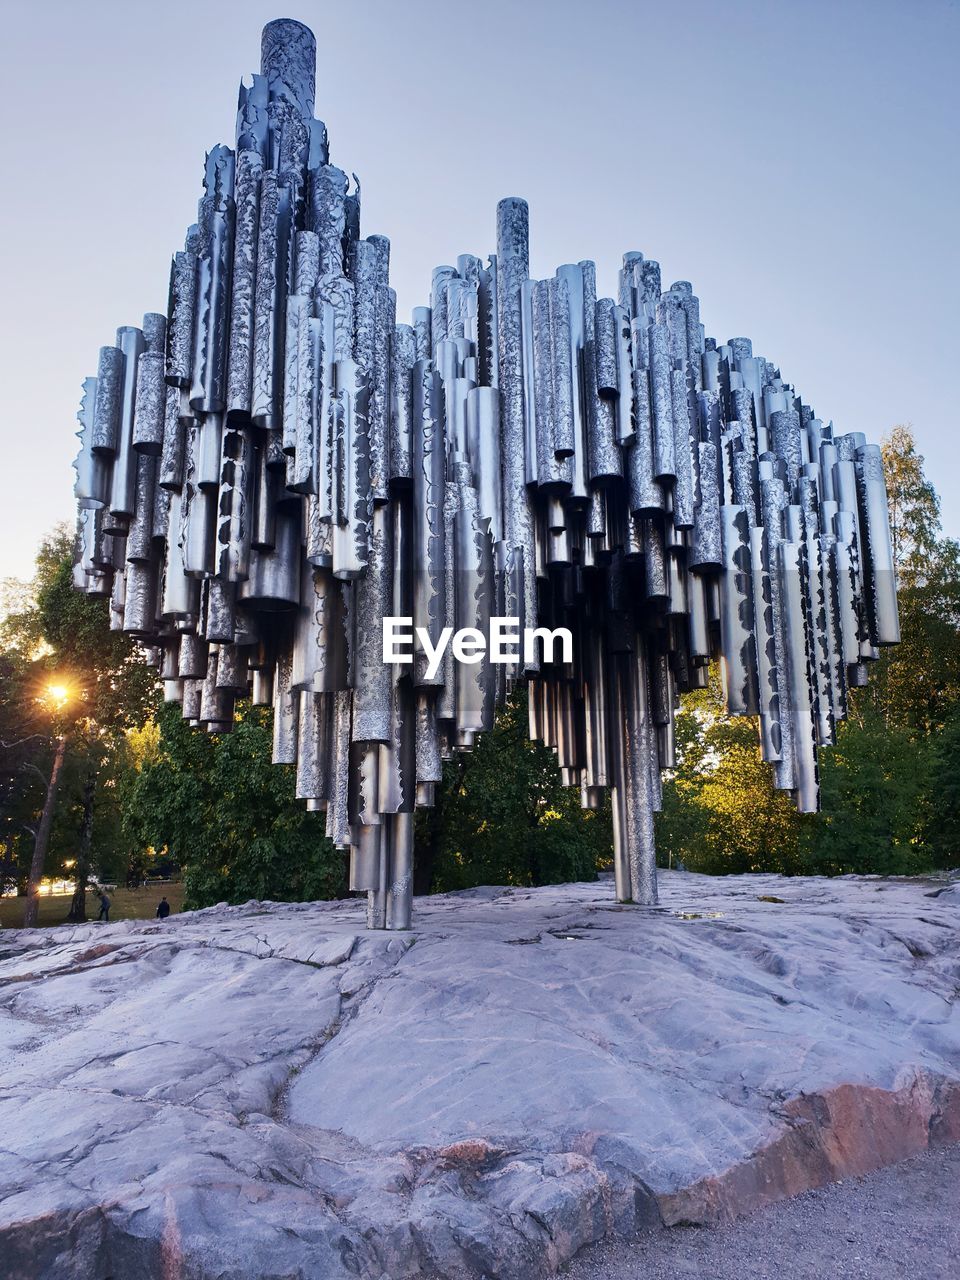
(903, 1221)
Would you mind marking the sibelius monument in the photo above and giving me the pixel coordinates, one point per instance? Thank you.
(276, 465)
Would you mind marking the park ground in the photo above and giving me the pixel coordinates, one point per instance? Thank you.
(125, 904)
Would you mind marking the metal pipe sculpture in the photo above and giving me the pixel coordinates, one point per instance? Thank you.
(276, 465)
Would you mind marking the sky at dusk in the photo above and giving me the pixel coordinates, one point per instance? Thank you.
(797, 161)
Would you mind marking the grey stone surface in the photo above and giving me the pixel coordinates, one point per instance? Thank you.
(273, 1091)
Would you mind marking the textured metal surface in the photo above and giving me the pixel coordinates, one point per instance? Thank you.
(277, 465)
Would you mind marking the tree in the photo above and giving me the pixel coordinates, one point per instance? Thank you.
(886, 786)
(872, 788)
(886, 795)
(502, 817)
(721, 812)
(916, 684)
(941, 826)
(42, 839)
(26, 757)
(55, 634)
(913, 506)
(219, 807)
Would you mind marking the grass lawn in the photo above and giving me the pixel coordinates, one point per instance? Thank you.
(125, 904)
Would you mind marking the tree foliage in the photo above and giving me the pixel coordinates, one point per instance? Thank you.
(69, 635)
(227, 815)
(913, 506)
(941, 817)
(872, 791)
(53, 634)
(25, 758)
(916, 685)
(721, 813)
(502, 817)
(890, 787)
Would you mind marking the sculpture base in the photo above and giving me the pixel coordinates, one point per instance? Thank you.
(272, 1089)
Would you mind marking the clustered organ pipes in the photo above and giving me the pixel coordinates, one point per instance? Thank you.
(276, 465)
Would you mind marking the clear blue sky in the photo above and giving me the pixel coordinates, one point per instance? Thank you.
(796, 160)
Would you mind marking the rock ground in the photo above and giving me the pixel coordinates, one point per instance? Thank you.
(271, 1092)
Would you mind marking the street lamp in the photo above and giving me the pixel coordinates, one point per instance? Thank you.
(56, 695)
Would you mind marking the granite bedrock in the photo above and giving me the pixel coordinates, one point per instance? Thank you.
(272, 1091)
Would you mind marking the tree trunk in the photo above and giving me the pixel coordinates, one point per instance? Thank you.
(78, 904)
(43, 837)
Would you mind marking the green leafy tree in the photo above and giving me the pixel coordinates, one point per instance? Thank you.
(721, 812)
(502, 817)
(941, 822)
(913, 506)
(916, 684)
(887, 786)
(872, 790)
(25, 759)
(883, 786)
(219, 807)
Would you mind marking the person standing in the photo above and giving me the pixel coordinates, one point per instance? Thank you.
(104, 907)
(163, 909)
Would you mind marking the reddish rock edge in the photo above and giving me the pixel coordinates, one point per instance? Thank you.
(845, 1132)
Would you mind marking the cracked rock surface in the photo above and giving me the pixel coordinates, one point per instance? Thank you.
(270, 1092)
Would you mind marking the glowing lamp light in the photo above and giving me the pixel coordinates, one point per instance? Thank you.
(58, 694)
